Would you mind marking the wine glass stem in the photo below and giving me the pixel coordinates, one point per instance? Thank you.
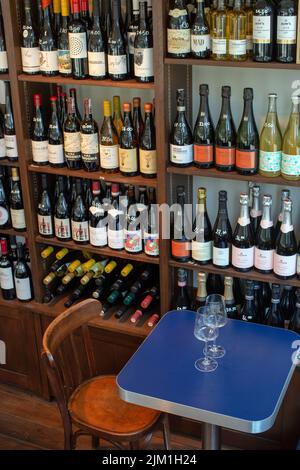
(205, 351)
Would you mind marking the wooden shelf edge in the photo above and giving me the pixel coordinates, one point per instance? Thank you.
(8, 163)
(227, 63)
(11, 231)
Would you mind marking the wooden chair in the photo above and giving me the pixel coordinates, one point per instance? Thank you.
(88, 401)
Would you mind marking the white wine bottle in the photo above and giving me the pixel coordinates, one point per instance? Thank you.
(270, 146)
(290, 166)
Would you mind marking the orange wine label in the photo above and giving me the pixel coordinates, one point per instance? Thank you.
(203, 153)
(180, 249)
(246, 159)
(225, 156)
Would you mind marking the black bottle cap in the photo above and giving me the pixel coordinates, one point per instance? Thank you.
(203, 89)
(226, 91)
(248, 93)
(180, 97)
(182, 275)
(249, 286)
(180, 191)
(275, 291)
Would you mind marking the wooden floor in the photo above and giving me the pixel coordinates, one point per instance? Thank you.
(30, 423)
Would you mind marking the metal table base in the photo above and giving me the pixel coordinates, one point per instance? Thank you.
(211, 437)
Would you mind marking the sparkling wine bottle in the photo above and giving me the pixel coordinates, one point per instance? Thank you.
(243, 239)
(265, 239)
(204, 133)
(225, 135)
(181, 139)
(182, 299)
(202, 243)
(270, 146)
(200, 36)
(222, 234)
(247, 141)
(285, 257)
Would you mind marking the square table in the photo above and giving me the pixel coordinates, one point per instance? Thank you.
(244, 393)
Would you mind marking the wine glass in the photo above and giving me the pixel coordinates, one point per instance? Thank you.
(204, 333)
(216, 317)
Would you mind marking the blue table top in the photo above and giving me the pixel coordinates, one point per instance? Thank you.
(245, 391)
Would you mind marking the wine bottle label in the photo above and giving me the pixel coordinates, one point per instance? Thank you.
(11, 146)
(263, 259)
(98, 236)
(128, 160)
(148, 162)
(242, 258)
(56, 154)
(133, 241)
(249, 45)
(237, 46)
(6, 278)
(151, 244)
(246, 159)
(72, 145)
(45, 224)
(4, 216)
(3, 60)
(2, 148)
(89, 147)
(225, 156)
(131, 38)
(30, 59)
(18, 218)
(180, 249)
(285, 265)
(181, 154)
(80, 231)
(179, 41)
(270, 161)
(117, 64)
(202, 251)
(62, 228)
(78, 45)
(109, 157)
(221, 256)
(200, 43)
(97, 64)
(115, 239)
(261, 29)
(49, 61)
(203, 153)
(290, 165)
(286, 29)
(39, 151)
(64, 62)
(219, 46)
(143, 62)
(23, 288)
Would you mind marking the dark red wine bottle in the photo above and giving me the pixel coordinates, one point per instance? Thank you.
(72, 138)
(78, 43)
(38, 134)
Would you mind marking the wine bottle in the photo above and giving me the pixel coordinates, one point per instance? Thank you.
(263, 30)
(146, 305)
(131, 27)
(109, 142)
(237, 32)
(2, 139)
(116, 226)
(285, 194)
(178, 30)
(274, 316)
(128, 152)
(117, 58)
(140, 285)
(44, 211)
(180, 245)
(204, 133)
(73, 94)
(270, 146)
(243, 239)
(10, 137)
(143, 48)
(62, 224)
(249, 27)
(48, 44)
(230, 304)
(202, 242)
(201, 294)
(285, 257)
(225, 135)
(290, 165)
(214, 284)
(64, 59)
(62, 108)
(55, 138)
(89, 141)
(220, 32)
(117, 117)
(133, 230)
(6, 273)
(151, 234)
(78, 43)
(56, 16)
(80, 218)
(80, 292)
(248, 312)
(287, 302)
(295, 320)
(96, 47)
(266, 295)
(38, 134)
(200, 37)
(106, 20)
(5, 221)
(148, 157)
(222, 234)
(22, 277)
(138, 123)
(93, 272)
(30, 42)
(181, 139)
(265, 240)
(286, 34)
(85, 14)
(97, 219)
(255, 212)
(108, 276)
(247, 141)
(72, 138)
(182, 299)
(16, 203)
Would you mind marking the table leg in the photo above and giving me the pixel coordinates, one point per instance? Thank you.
(211, 439)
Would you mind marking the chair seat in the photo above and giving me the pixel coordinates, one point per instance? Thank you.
(96, 404)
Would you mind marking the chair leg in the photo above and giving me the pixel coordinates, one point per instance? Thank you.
(95, 442)
(166, 432)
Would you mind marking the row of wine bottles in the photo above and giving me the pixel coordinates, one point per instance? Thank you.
(11, 202)
(244, 150)
(130, 148)
(226, 30)
(253, 244)
(130, 289)
(76, 45)
(114, 219)
(251, 301)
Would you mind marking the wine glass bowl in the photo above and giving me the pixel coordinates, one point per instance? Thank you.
(216, 317)
(204, 333)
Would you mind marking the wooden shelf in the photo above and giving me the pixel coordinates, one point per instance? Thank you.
(252, 275)
(8, 163)
(227, 63)
(231, 175)
(88, 82)
(96, 175)
(71, 245)
(12, 231)
(4, 77)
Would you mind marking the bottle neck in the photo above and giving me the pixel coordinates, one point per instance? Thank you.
(202, 292)
(143, 23)
(222, 207)
(200, 9)
(226, 109)
(202, 205)
(266, 217)
(228, 292)
(244, 212)
(287, 219)
(255, 205)
(248, 109)
(204, 104)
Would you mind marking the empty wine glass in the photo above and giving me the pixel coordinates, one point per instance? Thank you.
(204, 333)
(216, 317)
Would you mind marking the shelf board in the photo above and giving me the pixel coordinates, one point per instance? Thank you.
(231, 175)
(4, 77)
(8, 163)
(88, 82)
(250, 275)
(12, 231)
(227, 63)
(96, 175)
(141, 257)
